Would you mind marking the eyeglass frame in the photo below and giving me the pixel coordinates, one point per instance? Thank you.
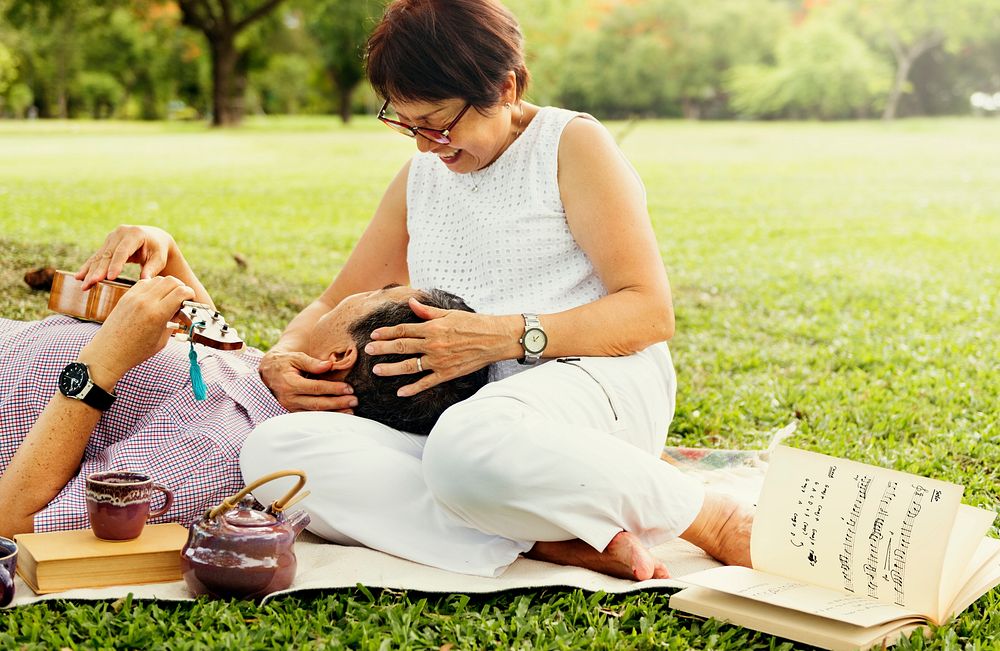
(414, 131)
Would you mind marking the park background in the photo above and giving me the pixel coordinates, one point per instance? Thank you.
(825, 59)
(823, 179)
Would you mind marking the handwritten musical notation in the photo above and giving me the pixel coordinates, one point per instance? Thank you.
(861, 530)
(805, 520)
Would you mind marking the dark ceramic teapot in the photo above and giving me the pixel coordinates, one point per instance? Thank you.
(238, 551)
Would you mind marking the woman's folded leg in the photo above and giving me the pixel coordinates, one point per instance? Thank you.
(567, 450)
(367, 488)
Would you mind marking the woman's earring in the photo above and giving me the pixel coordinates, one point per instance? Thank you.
(507, 105)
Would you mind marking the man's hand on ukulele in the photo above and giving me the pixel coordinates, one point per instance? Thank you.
(287, 375)
(147, 246)
(137, 327)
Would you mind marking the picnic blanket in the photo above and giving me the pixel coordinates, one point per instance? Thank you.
(322, 565)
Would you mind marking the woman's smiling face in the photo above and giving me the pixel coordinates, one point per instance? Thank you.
(477, 139)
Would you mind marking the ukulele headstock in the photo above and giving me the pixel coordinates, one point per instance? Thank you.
(210, 327)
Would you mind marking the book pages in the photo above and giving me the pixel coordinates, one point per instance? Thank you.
(971, 527)
(985, 576)
(786, 593)
(855, 528)
(810, 629)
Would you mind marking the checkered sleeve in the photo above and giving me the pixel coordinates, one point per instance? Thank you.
(155, 425)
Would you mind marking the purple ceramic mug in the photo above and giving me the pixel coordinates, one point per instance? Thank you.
(118, 503)
(8, 563)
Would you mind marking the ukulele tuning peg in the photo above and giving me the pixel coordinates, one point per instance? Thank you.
(215, 316)
(225, 328)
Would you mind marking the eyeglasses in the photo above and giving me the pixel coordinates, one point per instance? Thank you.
(439, 136)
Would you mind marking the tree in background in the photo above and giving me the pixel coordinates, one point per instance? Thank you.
(222, 21)
(8, 63)
(942, 81)
(667, 56)
(550, 29)
(141, 49)
(8, 69)
(908, 29)
(615, 58)
(340, 29)
(821, 71)
(50, 42)
(109, 59)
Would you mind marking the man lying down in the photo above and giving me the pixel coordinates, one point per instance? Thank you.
(49, 442)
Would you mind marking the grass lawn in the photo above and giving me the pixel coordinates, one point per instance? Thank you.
(843, 275)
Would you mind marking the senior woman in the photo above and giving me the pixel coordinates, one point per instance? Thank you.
(535, 217)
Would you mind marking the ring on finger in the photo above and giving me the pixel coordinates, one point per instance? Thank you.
(420, 366)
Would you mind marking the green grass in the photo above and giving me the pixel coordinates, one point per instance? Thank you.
(843, 275)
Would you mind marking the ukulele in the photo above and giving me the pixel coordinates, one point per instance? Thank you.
(95, 304)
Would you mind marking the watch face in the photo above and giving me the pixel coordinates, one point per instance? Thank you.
(535, 341)
(73, 379)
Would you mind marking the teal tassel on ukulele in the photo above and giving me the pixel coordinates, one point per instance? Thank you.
(197, 383)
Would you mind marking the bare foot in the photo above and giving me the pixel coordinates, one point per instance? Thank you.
(722, 529)
(624, 557)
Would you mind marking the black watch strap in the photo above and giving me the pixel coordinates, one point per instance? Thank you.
(75, 383)
(98, 398)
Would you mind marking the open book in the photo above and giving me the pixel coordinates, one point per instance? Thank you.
(849, 556)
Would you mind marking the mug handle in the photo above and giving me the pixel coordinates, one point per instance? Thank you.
(168, 499)
(6, 586)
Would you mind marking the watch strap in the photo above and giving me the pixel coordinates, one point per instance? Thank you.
(97, 397)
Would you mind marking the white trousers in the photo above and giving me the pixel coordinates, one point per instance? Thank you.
(570, 449)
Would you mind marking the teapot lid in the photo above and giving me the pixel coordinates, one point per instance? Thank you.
(246, 516)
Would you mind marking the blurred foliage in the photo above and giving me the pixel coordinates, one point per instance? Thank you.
(817, 59)
(821, 70)
(340, 29)
(8, 68)
(668, 54)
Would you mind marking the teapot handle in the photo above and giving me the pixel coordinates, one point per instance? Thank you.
(278, 505)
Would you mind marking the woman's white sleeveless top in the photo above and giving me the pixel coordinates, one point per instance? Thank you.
(499, 237)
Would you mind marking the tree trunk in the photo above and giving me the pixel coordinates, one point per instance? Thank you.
(903, 66)
(690, 108)
(904, 61)
(62, 102)
(227, 85)
(345, 104)
(229, 74)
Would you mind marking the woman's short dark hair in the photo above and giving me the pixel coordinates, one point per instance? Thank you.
(433, 50)
(377, 399)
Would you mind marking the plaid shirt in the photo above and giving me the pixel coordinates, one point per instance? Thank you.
(155, 426)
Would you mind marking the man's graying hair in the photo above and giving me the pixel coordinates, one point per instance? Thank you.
(377, 394)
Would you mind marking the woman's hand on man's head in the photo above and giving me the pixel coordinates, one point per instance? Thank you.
(147, 246)
(286, 374)
(448, 344)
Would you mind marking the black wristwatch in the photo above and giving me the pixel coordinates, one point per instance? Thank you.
(75, 383)
(533, 341)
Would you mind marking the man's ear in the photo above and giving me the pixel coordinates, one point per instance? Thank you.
(344, 360)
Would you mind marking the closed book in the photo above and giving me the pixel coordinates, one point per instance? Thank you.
(64, 560)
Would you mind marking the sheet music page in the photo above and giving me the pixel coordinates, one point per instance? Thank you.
(862, 530)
